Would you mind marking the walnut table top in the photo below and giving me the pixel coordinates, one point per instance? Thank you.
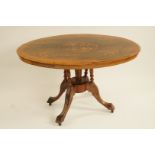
(78, 51)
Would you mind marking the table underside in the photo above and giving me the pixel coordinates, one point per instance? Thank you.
(78, 84)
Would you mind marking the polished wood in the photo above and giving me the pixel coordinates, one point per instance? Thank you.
(83, 53)
(86, 72)
(64, 85)
(79, 51)
(77, 84)
(69, 96)
(91, 87)
(91, 75)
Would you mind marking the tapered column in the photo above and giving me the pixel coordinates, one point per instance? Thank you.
(86, 72)
(91, 75)
(78, 75)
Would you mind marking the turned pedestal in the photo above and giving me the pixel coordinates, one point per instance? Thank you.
(78, 84)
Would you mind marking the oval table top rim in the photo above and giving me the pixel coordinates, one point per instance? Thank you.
(86, 66)
(76, 64)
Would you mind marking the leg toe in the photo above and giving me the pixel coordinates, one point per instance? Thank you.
(59, 119)
(110, 106)
(50, 100)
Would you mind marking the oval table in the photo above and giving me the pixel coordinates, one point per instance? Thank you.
(79, 52)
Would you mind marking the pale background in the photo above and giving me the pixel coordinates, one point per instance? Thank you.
(24, 89)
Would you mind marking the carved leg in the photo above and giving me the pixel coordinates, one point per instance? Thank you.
(69, 96)
(64, 85)
(91, 87)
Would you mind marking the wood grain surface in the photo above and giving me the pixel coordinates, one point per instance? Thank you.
(78, 51)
